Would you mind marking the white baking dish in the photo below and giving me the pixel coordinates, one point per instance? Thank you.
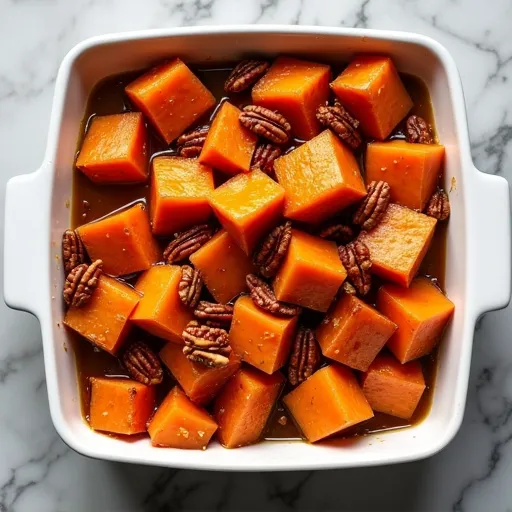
(478, 265)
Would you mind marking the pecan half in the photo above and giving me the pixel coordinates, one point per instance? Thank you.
(348, 288)
(355, 257)
(190, 144)
(190, 286)
(142, 364)
(305, 358)
(373, 206)
(81, 283)
(439, 206)
(263, 296)
(337, 232)
(245, 74)
(264, 156)
(73, 253)
(273, 249)
(216, 314)
(341, 123)
(418, 131)
(266, 123)
(187, 243)
(206, 345)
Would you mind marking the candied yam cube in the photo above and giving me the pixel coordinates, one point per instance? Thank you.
(248, 206)
(244, 405)
(421, 313)
(123, 241)
(115, 149)
(160, 311)
(393, 388)
(372, 91)
(120, 406)
(229, 145)
(411, 170)
(320, 178)
(295, 88)
(353, 332)
(311, 273)
(399, 243)
(179, 423)
(171, 97)
(104, 319)
(328, 402)
(180, 188)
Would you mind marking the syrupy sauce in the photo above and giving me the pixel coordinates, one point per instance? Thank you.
(92, 201)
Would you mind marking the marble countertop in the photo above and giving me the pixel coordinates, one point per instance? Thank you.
(39, 472)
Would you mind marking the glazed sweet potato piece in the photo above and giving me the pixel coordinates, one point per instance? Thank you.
(399, 243)
(421, 313)
(180, 188)
(311, 273)
(353, 332)
(295, 88)
(122, 240)
(411, 170)
(120, 406)
(179, 423)
(327, 403)
(244, 405)
(171, 97)
(115, 149)
(229, 146)
(320, 177)
(200, 383)
(372, 91)
(104, 319)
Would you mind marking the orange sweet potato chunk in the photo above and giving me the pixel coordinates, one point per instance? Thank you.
(115, 149)
(327, 403)
(295, 88)
(180, 188)
(372, 91)
(200, 383)
(320, 177)
(399, 243)
(179, 423)
(122, 240)
(411, 170)
(421, 313)
(171, 97)
(229, 145)
(120, 406)
(353, 332)
(160, 311)
(259, 338)
(104, 319)
(244, 405)
(311, 273)
(248, 206)
(393, 388)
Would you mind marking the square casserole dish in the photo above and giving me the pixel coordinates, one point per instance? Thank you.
(478, 201)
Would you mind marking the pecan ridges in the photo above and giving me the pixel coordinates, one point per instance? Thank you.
(190, 286)
(73, 253)
(187, 243)
(418, 131)
(305, 356)
(266, 123)
(345, 126)
(245, 74)
(206, 345)
(264, 156)
(270, 254)
(355, 257)
(190, 144)
(373, 206)
(142, 364)
(263, 296)
(217, 314)
(81, 283)
(337, 232)
(439, 206)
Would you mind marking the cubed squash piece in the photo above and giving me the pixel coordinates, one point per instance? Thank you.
(295, 88)
(411, 170)
(104, 319)
(122, 240)
(248, 206)
(393, 388)
(372, 91)
(115, 149)
(353, 332)
(311, 273)
(244, 405)
(200, 383)
(229, 145)
(179, 423)
(160, 311)
(421, 313)
(180, 188)
(171, 97)
(320, 177)
(120, 406)
(327, 403)
(399, 243)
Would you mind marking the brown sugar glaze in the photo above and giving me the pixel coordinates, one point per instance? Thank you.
(92, 201)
